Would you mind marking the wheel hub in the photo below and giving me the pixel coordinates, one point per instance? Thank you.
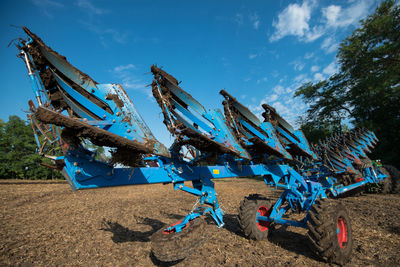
(342, 232)
(263, 225)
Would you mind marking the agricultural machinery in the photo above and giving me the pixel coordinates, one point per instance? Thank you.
(73, 113)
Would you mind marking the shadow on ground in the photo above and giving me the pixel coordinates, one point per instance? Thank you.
(123, 234)
(279, 235)
(292, 241)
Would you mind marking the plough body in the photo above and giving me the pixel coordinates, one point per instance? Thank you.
(233, 144)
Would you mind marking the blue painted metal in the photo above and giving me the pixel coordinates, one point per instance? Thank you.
(294, 140)
(180, 108)
(237, 145)
(250, 130)
(92, 101)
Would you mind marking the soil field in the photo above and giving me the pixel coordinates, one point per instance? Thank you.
(45, 223)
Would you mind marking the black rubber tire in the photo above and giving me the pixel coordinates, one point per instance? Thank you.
(173, 247)
(386, 183)
(395, 178)
(322, 224)
(248, 213)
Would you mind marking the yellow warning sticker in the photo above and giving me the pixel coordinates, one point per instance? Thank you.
(215, 171)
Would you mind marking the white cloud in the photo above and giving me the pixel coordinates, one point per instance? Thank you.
(93, 22)
(286, 105)
(123, 68)
(89, 7)
(298, 65)
(252, 56)
(331, 14)
(314, 34)
(264, 79)
(103, 32)
(329, 45)
(279, 89)
(47, 3)
(301, 78)
(47, 6)
(308, 55)
(273, 97)
(318, 76)
(336, 16)
(239, 19)
(130, 80)
(315, 68)
(255, 20)
(294, 20)
(330, 69)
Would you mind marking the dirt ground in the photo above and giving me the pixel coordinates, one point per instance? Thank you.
(45, 223)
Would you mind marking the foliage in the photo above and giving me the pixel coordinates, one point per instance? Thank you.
(367, 88)
(318, 130)
(18, 159)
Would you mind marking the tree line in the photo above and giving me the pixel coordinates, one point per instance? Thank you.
(18, 157)
(366, 89)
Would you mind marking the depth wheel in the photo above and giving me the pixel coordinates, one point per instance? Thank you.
(329, 231)
(394, 175)
(386, 183)
(249, 208)
(170, 246)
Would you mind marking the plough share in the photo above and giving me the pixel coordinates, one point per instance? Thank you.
(73, 112)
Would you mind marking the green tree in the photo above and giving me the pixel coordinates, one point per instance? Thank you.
(18, 158)
(367, 88)
(317, 130)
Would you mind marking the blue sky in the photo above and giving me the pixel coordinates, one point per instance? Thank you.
(259, 51)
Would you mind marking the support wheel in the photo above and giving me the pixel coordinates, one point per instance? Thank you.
(329, 231)
(394, 174)
(249, 208)
(170, 246)
(386, 183)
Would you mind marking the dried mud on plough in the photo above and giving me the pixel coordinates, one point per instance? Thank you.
(209, 144)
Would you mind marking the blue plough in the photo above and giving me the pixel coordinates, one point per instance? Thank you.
(72, 110)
